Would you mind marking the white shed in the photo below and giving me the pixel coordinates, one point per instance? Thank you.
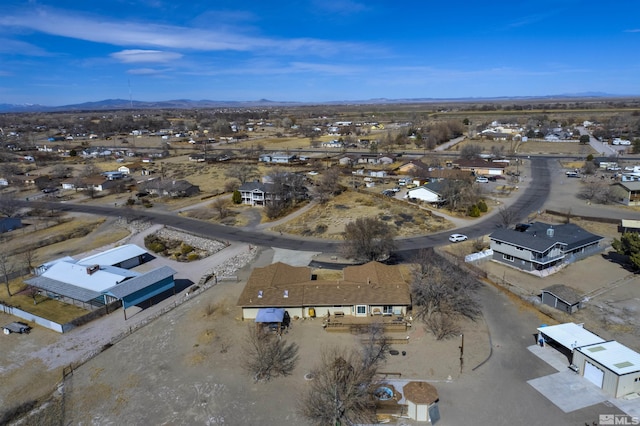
(611, 366)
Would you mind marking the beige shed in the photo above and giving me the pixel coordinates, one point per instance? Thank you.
(422, 400)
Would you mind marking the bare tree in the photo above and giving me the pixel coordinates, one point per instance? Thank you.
(327, 185)
(341, 390)
(368, 238)
(6, 268)
(508, 216)
(243, 172)
(268, 355)
(90, 169)
(442, 292)
(471, 151)
(221, 205)
(9, 204)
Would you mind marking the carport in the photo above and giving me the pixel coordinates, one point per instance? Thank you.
(144, 287)
(567, 337)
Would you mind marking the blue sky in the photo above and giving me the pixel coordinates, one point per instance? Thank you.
(59, 52)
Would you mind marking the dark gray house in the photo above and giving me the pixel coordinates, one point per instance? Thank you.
(540, 246)
(10, 223)
(562, 297)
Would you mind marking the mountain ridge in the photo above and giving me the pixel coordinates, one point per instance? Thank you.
(124, 104)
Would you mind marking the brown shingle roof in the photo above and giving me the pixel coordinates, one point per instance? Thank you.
(420, 393)
(372, 283)
(565, 293)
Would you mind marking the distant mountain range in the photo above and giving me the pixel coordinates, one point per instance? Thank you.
(123, 104)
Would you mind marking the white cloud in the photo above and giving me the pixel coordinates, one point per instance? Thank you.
(141, 34)
(145, 71)
(145, 56)
(21, 48)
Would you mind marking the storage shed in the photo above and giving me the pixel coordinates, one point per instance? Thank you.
(562, 297)
(422, 401)
(611, 366)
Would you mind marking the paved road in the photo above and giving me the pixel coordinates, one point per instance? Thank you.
(497, 393)
(531, 200)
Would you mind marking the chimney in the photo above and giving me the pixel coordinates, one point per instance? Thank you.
(93, 269)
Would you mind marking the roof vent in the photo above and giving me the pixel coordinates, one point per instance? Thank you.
(286, 294)
(260, 294)
(550, 231)
(93, 269)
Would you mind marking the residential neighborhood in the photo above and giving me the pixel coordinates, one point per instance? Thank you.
(313, 234)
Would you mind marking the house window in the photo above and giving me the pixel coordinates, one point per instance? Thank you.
(387, 310)
(507, 257)
(361, 310)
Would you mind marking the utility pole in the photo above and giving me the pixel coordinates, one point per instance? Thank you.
(461, 352)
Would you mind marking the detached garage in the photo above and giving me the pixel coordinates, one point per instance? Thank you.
(611, 366)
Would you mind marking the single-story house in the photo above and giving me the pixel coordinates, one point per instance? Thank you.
(413, 167)
(277, 157)
(370, 289)
(128, 169)
(10, 223)
(479, 166)
(347, 160)
(540, 246)
(611, 366)
(627, 193)
(629, 225)
(429, 193)
(562, 297)
(96, 183)
(95, 284)
(173, 188)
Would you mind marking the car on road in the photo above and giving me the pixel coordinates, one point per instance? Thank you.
(456, 238)
(50, 190)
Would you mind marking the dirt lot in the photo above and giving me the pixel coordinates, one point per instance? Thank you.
(185, 368)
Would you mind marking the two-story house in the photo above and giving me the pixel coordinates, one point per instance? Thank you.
(539, 246)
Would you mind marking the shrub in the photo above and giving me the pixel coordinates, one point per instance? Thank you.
(482, 206)
(474, 211)
(236, 197)
(156, 246)
(185, 249)
(192, 257)
(321, 228)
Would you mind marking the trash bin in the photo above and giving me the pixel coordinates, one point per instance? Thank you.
(312, 312)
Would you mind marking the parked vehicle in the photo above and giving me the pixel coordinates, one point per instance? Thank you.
(482, 179)
(16, 327)
(456, 238)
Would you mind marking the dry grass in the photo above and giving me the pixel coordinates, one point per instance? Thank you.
(329, 220)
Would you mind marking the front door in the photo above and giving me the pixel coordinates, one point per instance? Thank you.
(361, 310)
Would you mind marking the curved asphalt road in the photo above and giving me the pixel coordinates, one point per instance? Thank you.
(531, 200)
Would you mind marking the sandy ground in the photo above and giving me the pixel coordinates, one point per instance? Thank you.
(185, 368)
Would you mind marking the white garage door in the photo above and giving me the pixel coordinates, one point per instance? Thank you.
(593, 374)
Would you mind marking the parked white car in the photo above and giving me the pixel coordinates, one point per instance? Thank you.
(481, 179)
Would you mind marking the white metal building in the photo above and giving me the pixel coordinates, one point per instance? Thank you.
(569, 335)
(611, 366)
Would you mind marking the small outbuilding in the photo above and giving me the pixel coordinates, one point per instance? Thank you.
(422, 401)
(562, 297)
